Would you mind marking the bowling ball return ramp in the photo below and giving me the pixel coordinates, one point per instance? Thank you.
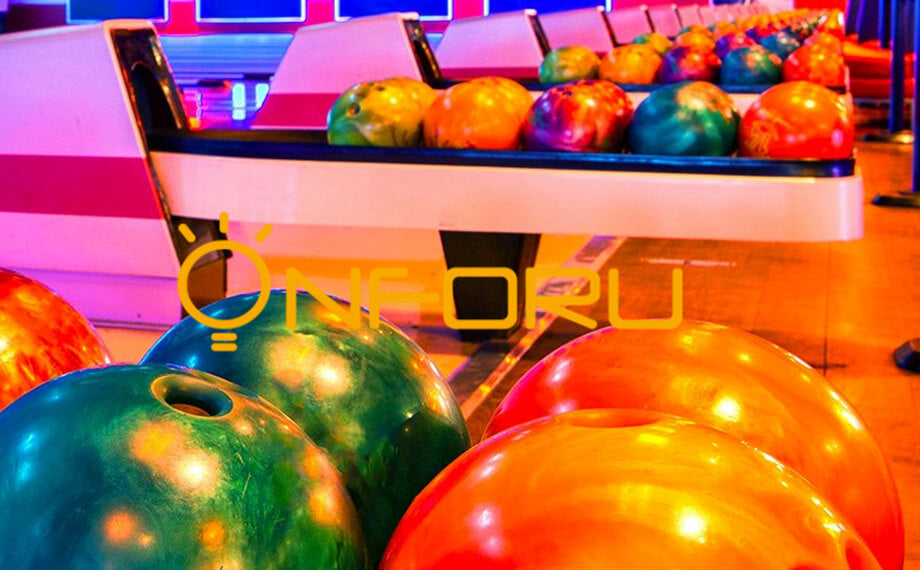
(489, 206)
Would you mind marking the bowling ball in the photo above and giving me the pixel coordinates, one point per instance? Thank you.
(585, 116)
(697, 40)
(798, 120)
(781, 43)
(631, 63)
(380, 113)
(752, 65)
(624, 490)
(690, 119)
(41, 337)
(369, 396)
(732, 41)
(152, 467)
(816, 64)
(658, 42)
(566, 64)
(688, 64)
(825, 40)
(833, 23)
(757, 33)
(734, 381)
(719, 29)
(485, 113)
(696, 28)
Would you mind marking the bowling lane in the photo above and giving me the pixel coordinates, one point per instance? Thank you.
(842, 307)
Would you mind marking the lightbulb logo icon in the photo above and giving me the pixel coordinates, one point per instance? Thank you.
(224, 341)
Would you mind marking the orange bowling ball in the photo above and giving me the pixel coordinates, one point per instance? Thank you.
(631, 63)
(484, 113)
(798, 120)
(817, 64)
(41, 337)
(826, 40)
(738, 383)
(623, 490)
(696, 40)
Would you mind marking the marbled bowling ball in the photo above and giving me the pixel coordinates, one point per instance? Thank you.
(798, 120)
(584, 116)
(658, 42)
(485, 113)
(739, 383)
(569, 63)
(380, 113)
(624, 490)
(41, 337)
(689, 64)
(370, 397)
(152, 467)
(781, 43)
(631, 64)
(753, 65)
(732, 41)
(688, 119)
(700, 40)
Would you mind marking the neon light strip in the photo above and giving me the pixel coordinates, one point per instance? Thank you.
(267, 20)
(486, 7)
(424, 18)
(72, 21)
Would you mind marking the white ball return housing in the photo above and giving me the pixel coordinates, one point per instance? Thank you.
(100, 167)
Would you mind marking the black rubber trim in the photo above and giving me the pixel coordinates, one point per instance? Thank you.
(311, 145)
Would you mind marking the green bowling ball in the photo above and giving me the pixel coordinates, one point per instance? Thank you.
(370, 397)
(570, 63)
(154, 467)
(380, 113)
(687, 119)
(751, 65)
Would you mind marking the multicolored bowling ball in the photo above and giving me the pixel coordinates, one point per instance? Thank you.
(781, 43)
(485, 113)
(816, 64)
(753, 65)
(825, 40)
(689, 119)
(732, 41)
(380, 113)
(688, 64)
(833, 23)
(719, 29)
(152, 467)
(631, 64)
(369, 396)
(658, 42)
(41, 337)
(695, 39)
(624, 489)
(739, 383)
(695, 28)
(798, 120)
(757, 33)
(570, 63)
(585, 116)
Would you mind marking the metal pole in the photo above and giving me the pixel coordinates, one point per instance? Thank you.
(915, 105)
(899, 24)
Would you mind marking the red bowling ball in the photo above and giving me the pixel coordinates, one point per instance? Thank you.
(621, 490)
(798, 120)
(41, 337)
(738, 383)
(817, 64)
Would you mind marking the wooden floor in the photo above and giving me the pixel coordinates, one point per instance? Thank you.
(843, 307)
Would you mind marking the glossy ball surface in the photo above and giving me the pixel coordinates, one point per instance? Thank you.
(689, 119)
(585, 116)
(816, 64)
(752, 65)
(798, 120)
(688, 64)
(781, 43)
(695, 39)
(41, 337)
(736, 382)
(565, 64)
(370, 397)
(151, 467)
(623, 489)
(380, 113)
(635, 64)
(658, 42)
(485, 113)
(732, 41)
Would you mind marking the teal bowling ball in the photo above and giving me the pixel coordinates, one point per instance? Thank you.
(781, 43)
(153, 467)
(687, 119)
(370, 397)
(753, 65)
